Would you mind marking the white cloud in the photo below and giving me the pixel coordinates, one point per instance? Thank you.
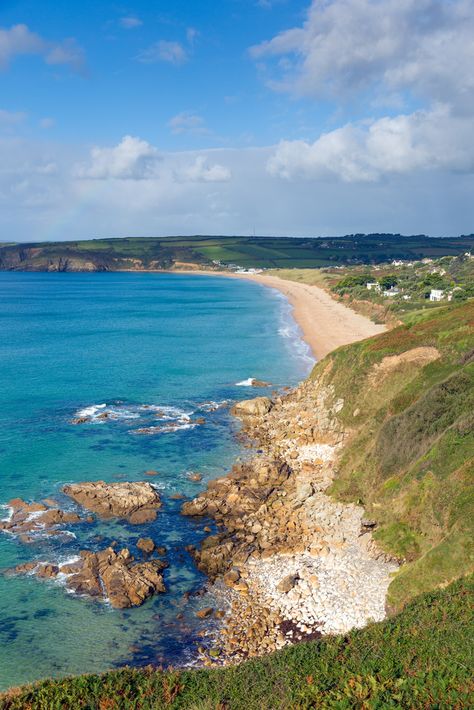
(187, 122)
(343, 47)
(16, 41)
(11, 118)
(191, 35)
(368, 150)
(131, 159)
(130, 22)
(201, 171)
(164, 51)
(20, 40)
(41, 198)
(379, 53)
(68, 52)
(47, 122)
(135, 159)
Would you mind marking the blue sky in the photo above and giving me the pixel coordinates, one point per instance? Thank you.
(119, 90)
(280, 116)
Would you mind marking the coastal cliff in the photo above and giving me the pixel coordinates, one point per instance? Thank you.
(356, 505)
(360, 495)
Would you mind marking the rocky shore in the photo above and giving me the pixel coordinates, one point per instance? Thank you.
(106, 575)
(290, 562)
(287, 562)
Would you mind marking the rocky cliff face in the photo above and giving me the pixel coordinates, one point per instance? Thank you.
(360, 496)
(295, 562)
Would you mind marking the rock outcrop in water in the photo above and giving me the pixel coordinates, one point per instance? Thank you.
(106, 575)
(136, 502)
(27, 520)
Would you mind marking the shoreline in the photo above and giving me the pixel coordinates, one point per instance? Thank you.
(325, 324)
(292, 563)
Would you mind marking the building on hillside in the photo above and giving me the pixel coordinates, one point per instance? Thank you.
(391, 292)
(373, 286)
(436, 294)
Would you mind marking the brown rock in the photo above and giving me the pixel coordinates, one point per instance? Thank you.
(146, 544)
(231, 577)
(137, 502)
(47, 571)
(204, 613)
(252, 407)
(287, 583)
(143, 515)
(115, 576)
(151, 473)
(24, 568)
(194, 476)
(29, 518)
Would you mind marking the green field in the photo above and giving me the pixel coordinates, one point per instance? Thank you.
(261, 252)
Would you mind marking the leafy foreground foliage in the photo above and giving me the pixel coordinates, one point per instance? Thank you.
(410, 460)
(421, 658)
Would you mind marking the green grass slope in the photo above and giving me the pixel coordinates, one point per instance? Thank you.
(410, 459)
(422, 658)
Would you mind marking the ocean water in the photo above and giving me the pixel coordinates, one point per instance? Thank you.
(74, 342)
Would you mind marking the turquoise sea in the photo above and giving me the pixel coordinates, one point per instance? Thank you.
(74, 342)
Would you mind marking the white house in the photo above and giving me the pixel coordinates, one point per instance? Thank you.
(436, 294)
(373, 286)
(394, 291)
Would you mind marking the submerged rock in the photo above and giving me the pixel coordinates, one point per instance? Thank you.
(146, 544)
(137, 502)
(194, 476)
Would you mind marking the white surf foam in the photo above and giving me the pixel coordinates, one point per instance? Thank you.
(90, 411)
(8, 508)
(246, 383)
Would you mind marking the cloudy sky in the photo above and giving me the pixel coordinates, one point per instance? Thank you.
(235, 116)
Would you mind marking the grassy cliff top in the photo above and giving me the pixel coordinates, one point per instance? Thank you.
(421, 658)
(409, 405)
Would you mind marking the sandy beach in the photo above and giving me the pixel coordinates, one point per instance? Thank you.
(325, 323)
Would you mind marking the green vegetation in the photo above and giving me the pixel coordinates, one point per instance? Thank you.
(421, 658)
(410, 460)
(414, 281)
(261, 252)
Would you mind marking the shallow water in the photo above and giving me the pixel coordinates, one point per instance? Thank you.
(72, 342)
